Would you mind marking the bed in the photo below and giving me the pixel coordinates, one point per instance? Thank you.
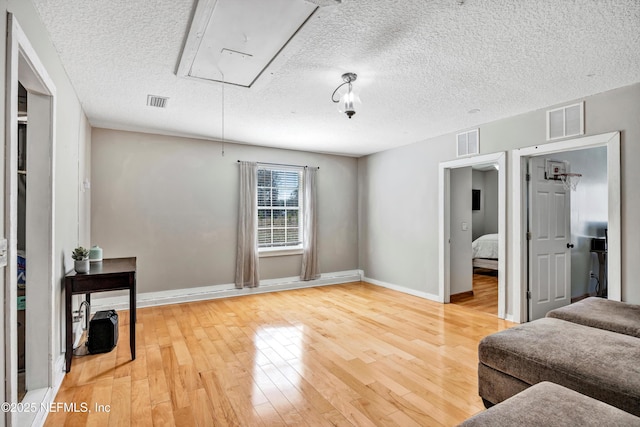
(485, 251)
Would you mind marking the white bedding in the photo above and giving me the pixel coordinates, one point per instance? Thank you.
(485, 246)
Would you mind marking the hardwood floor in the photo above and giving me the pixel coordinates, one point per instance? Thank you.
(354, 354)
(485, 293)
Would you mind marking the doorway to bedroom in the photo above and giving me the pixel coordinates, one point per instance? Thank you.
(483, 294)
(472, 219)
(474, 237)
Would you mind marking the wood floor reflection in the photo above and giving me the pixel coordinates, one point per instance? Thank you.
(353, 354)
(485, 293)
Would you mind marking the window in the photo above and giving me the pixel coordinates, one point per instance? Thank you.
(279, 213)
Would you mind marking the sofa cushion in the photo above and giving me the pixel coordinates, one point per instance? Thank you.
(594, 362)
(602, 313)
(548, 404)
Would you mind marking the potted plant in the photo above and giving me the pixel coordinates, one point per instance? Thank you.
(81, 258)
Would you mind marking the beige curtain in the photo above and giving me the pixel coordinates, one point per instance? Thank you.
(310, 268)
(247, 251)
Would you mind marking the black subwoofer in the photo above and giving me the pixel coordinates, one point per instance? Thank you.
(103, 332)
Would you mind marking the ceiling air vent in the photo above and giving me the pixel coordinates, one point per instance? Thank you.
(157, 101)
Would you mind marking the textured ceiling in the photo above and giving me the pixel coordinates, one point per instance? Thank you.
(421, 65)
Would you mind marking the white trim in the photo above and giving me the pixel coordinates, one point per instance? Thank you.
(518, 270)
(269, 252)
(23, 63)
(11, 195)
(286, 249)
(402, 289)
(45, 397)
(614, 251)
(511, 318)
(176, 296)
(444, 226)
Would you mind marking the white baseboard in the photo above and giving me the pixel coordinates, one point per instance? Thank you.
(403, 289)
(59, 372)
(43, 397)
(511, 318)
(175, 296)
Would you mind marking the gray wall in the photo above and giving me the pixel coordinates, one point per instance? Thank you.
(398, 205)
(490, 201)
(485, 220)
(478, 216)
(173, 202)
(589, 215)
(405, 253)
(461, 227)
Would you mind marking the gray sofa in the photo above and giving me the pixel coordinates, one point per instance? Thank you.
(582, 353)
(602, 314)
(550, 405)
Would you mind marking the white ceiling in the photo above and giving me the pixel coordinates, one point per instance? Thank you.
(421, 65)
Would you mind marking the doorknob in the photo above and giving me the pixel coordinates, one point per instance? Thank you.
(569, 245)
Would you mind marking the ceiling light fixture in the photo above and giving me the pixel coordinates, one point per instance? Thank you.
(347, 100)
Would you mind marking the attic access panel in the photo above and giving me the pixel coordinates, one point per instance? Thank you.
(233, 41)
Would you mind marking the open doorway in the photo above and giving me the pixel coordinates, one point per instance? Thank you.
(519, 271)
(589, 222)
(457, 262)
(567, 228)
(29, 224)
(483, 295)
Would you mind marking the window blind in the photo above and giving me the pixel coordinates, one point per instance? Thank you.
(279, 219)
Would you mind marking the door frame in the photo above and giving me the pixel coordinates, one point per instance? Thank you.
(518, 271)
(24, 65)
(444, 210)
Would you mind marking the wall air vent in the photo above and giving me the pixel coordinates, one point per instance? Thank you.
(468, 143)
(565, 121)
(157, 101)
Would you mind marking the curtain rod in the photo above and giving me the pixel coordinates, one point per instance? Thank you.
(280, 164)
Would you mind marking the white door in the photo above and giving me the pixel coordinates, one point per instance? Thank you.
(550, 242)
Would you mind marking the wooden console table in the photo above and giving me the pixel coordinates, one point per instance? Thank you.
(109, 275)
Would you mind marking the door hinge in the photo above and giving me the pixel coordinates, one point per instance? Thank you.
(528, 294)
(529, 235)
(528, 177)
